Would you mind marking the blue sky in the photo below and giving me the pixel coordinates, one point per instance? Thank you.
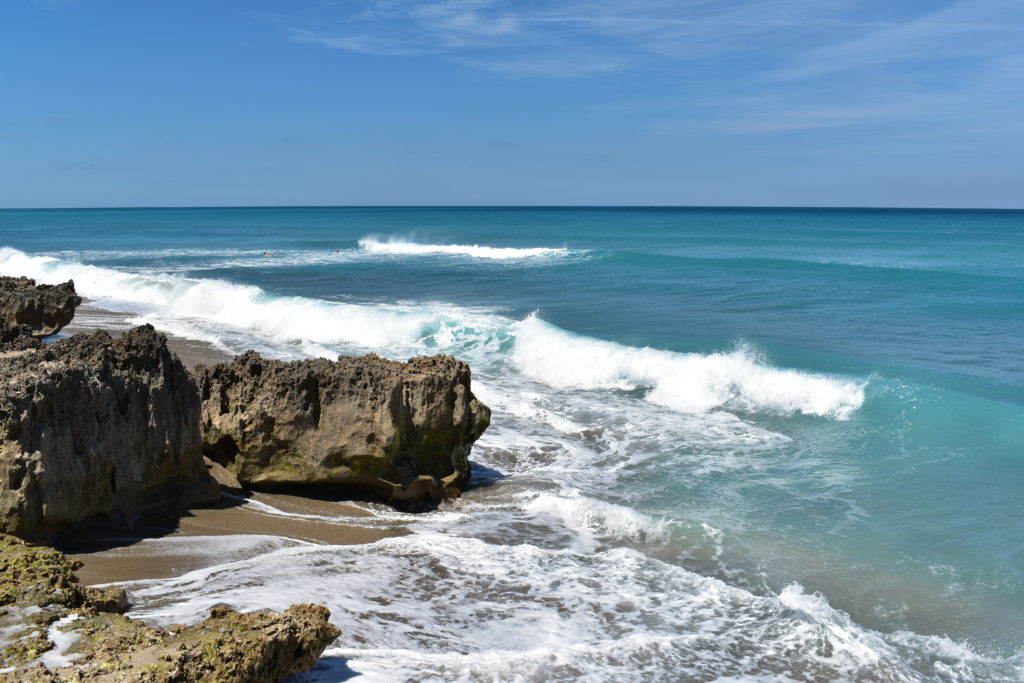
(790, 102)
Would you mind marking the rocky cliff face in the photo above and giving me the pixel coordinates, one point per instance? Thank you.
(43, 308)
(372, 427)
(54, 631)
(91, 426)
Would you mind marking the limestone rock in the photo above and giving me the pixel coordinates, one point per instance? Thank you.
(106, 599)
(43, 308)
(95, 427)
(366, 426)
(39, 595)
(15, 338)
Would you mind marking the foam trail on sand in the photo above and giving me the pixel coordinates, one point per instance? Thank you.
(501, 612)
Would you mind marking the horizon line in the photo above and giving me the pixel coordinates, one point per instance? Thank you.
(185, 207)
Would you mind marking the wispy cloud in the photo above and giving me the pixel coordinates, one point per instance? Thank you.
(807, 63)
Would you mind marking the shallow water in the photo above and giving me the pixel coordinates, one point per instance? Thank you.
(783, 444)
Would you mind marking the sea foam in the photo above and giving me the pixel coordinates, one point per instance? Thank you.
(407, 248)
(519, 612)
(688, 382)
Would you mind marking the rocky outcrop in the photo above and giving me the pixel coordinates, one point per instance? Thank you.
(365, 426)
(95, 427)
(50, 633)
(45, 309)
(17, 337)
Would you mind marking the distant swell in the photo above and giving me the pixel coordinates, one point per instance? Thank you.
(685, 382)
(402, 247)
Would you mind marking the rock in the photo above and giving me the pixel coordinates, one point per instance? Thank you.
(94, 427)
(367, 427)
(34, 576)
(43, 308)
(39, 595)
(106, 599)
(14, 338)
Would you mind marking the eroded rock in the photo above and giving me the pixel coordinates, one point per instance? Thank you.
(366, 426)
(45, 309)
(40, 602)
(14, 338)
(95, 427)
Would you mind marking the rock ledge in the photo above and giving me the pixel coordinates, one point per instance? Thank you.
(45, 309)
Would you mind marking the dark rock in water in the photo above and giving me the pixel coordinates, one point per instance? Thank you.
(40, 597)
(369, 427)
(94, 427)
(43, 308)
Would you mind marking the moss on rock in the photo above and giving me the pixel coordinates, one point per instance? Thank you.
(38, 587)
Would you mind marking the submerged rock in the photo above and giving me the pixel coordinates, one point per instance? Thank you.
(45, 309)
(370, 427)
(51, 632)
(96, 427)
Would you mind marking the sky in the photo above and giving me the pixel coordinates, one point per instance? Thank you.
(494, 102)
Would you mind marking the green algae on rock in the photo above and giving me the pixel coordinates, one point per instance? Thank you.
(52, 632)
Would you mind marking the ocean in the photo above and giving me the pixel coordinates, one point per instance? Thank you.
(726, 444)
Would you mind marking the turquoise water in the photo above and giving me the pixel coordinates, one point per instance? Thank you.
(813, 419)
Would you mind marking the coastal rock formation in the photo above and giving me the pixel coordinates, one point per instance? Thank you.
(51, 632)
(90, 427)
(367, 426)
(17, 337)
(43, 308)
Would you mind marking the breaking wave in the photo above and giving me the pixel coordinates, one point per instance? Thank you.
(407, 248)
(686, 382)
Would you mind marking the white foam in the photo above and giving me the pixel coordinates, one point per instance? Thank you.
(444, 607)
(311, 325)
(688, 382)
(401, 247)
(62, 641)
(593, 519)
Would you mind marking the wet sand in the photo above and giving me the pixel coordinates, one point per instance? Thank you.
(190, 351)
(133, 553)
(129, 554)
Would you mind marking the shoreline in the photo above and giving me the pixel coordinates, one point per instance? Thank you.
(123, 553)
(119, 553)
(192, 352)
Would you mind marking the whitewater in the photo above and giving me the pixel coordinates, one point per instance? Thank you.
(661, 495)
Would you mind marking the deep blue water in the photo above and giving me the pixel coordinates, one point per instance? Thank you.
(763, 397)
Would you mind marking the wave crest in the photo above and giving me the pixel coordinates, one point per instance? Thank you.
(407, 248)
(687, 382)
(684, 382)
